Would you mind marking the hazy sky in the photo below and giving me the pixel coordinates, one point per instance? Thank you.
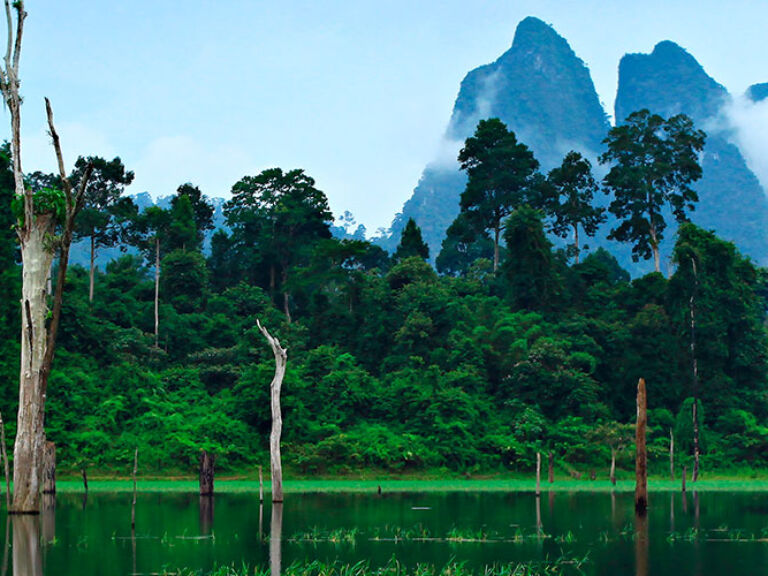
(356, 93)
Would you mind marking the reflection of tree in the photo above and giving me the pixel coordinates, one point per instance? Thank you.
(641, 545)
(206, 514)
(49, 518)
(27, 556)
(275, 536)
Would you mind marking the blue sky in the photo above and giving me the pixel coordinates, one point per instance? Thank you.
(356, 93)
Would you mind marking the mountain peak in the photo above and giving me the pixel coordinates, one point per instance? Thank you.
(758, 92)
(533, 32)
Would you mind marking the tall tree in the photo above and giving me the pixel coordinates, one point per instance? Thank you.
(202, 208)
(653, 164)
(280, 215)
(568, 198)
(411, 243)
(105, 214)
(461, 247)
(500, 173)
(38, 214)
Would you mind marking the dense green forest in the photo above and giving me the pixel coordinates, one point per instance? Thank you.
(393, 365)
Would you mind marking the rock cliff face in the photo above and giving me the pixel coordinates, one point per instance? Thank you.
(732, 202)
(541, 90)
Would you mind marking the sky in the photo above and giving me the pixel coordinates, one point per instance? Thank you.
(357, 93)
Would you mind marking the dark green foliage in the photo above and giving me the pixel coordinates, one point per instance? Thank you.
(653, 164)
(411, 243)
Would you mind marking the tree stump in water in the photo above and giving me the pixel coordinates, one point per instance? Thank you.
(49, 468)
(641, 456)
(551, 471)
(207, 461)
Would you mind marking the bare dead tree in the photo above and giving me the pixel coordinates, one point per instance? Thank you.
(695, 374)
(36, 231)
(641, 457)
(276, 467)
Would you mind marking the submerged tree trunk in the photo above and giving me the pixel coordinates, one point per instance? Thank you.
(551, 468)
(276, 468)
(641, 457)
(613, 465)
(49, 468)
(671, 455)
(207, 461)
(538, 474)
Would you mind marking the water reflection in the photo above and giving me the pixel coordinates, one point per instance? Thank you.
(206, 514)
(27, 555)
(48, 517)
(275, 538)
(641, 544)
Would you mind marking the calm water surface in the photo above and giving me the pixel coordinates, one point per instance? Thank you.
(704, 534)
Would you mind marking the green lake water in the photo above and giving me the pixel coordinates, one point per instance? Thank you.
(711, 533)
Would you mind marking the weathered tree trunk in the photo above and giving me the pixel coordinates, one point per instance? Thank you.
(538, 474)
(92, 269)
(157, 291)
(695, 371)
(85, 480)
(576, 243)
(6, 472)
(685, 471)
(206, 514)
(261, 486)
(551, 468)
(37, 251)
(276, 467)
(49, 468)
(207, 462)
(641, 457)
(133, 504)
(671, 455)
(613, 465)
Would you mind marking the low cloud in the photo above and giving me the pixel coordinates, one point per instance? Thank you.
(749, 123)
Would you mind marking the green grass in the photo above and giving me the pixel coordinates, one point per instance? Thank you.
(392, 486)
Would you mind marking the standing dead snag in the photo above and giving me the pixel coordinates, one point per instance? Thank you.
(49, 468)
(276, 468)
(207, 462)
(40, 214)
(641, 458)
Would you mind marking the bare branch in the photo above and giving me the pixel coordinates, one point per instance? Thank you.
(21, 14)
(9, 21)
(57, 147)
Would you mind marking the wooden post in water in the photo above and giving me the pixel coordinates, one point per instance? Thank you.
(207, 461)
(613, 465)
(5, 467)
(85, 479)
(671, 455)
(641, 455)
(261, 486)
(49, 468)
(275, 463)
(538, 474)
(551, 471)
(135, 470)
(685, 470)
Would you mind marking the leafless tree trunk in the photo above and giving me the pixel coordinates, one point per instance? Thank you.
(685, 472)
(276, 468)
(538, 474)
(261, 486)
(36, 235)
(695, 370)
(275, 539)
(6, 472)
(671, 455)
(157, 290)
(49, 468)
(92, 269)
(613, 465)
(207, 462)
(133, 504)
(641, 458)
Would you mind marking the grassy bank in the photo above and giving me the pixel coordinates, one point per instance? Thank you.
(223, 485)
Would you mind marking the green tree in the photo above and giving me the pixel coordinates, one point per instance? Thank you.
(105, 215)
(411, 243)
(461, 247)
(653, 164)
(500, 174)
(568, 198)
(202, 209)
(276, 218)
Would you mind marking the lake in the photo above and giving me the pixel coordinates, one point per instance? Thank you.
(710, 533)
